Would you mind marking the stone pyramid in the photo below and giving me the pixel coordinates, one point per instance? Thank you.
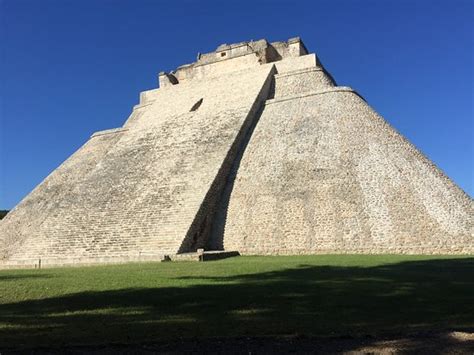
(252, 148)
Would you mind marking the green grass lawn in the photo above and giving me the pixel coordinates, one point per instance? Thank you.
(320, 296)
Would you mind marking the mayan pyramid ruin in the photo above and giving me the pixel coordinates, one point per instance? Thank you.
(252, 148)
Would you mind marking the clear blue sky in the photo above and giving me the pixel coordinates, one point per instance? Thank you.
(69, 68)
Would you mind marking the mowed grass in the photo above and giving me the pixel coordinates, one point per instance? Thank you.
(321, 295)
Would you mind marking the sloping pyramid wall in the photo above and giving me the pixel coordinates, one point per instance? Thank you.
(20, 230)
(260, 158)
(324, 173)
(144, 190)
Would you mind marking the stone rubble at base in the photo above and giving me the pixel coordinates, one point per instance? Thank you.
(251, 148)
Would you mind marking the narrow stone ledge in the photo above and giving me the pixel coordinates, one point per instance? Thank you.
(299, 71)
(43, 263)
(313, 93)
(137, 107)
(203, 256)
(40, 263)
(108, 131)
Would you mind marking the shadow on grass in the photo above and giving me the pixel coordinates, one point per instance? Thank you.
(22, 277)
(308, 300)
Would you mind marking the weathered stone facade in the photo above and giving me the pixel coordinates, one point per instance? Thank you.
(251, 148)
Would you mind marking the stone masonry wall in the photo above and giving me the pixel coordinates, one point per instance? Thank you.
(239, 154)
(23, 224)
(142, 196)
(324, 173)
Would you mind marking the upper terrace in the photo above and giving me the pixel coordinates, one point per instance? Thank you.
(231, 57)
